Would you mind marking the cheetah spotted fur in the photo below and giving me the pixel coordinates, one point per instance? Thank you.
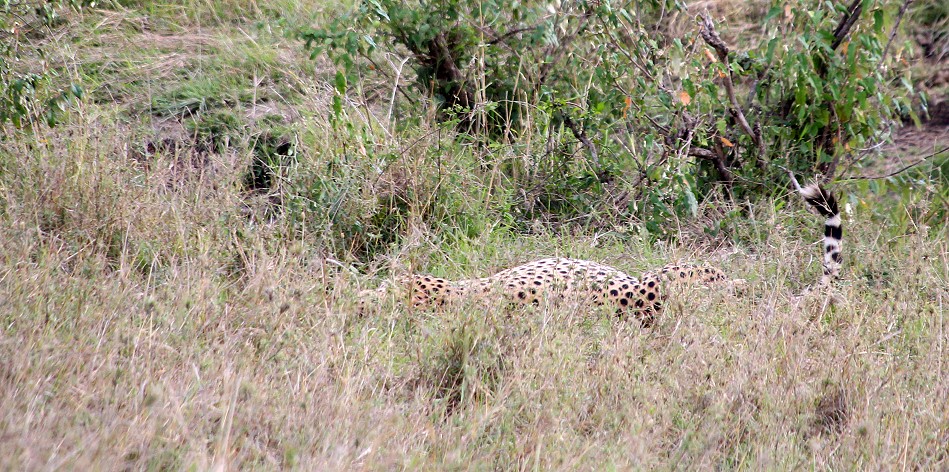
(558, 279)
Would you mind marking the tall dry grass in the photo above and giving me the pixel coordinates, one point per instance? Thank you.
(157, 315)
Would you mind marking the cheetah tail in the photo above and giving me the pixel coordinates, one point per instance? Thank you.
(825, 204)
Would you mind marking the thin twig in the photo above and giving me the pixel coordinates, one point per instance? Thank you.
(707, 31)
(901, 170)
(797, 186)
(554, 56)
(716, 160)
(503, 37)
(899, 18)
(380, 70)
(395, 87)
(581, 135)
(847, 22)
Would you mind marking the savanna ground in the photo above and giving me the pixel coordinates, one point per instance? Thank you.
(166, 305)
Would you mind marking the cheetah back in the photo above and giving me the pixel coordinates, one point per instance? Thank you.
(568, 279)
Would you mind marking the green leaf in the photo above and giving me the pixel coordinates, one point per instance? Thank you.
(337, 106)
(340, 82)
(769, 55)
(878, 21)
(692, 205)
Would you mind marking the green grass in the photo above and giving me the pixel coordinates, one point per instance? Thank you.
(158, 314)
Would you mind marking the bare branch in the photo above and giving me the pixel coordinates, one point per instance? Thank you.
(717, 160)
(899, 19)
(797, 186)
(581, 135)
(762, 147)
(900, 170)
(847, 22)
(513, 32)
(707, 31)
(702, 153)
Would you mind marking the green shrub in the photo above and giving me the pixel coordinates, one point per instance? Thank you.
(28, 96)
(616, 92)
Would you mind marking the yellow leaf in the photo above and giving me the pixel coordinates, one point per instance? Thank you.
(726, 142)
(709, 55)
(685, 98)
(629, 103)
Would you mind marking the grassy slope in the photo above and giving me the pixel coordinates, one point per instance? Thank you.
(156, 315)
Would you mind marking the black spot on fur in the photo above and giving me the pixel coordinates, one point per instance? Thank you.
(835, 232)
(651, 296)
(822, 200)
(623, 301)
(614, 293)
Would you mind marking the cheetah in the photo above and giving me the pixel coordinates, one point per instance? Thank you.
(559, 279)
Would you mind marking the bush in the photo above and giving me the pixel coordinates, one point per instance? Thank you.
(662, 111)
(28, 96)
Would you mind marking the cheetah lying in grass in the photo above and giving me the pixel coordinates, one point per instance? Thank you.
(559, 279)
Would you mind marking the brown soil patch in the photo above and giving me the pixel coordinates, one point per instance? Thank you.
(911, 143)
